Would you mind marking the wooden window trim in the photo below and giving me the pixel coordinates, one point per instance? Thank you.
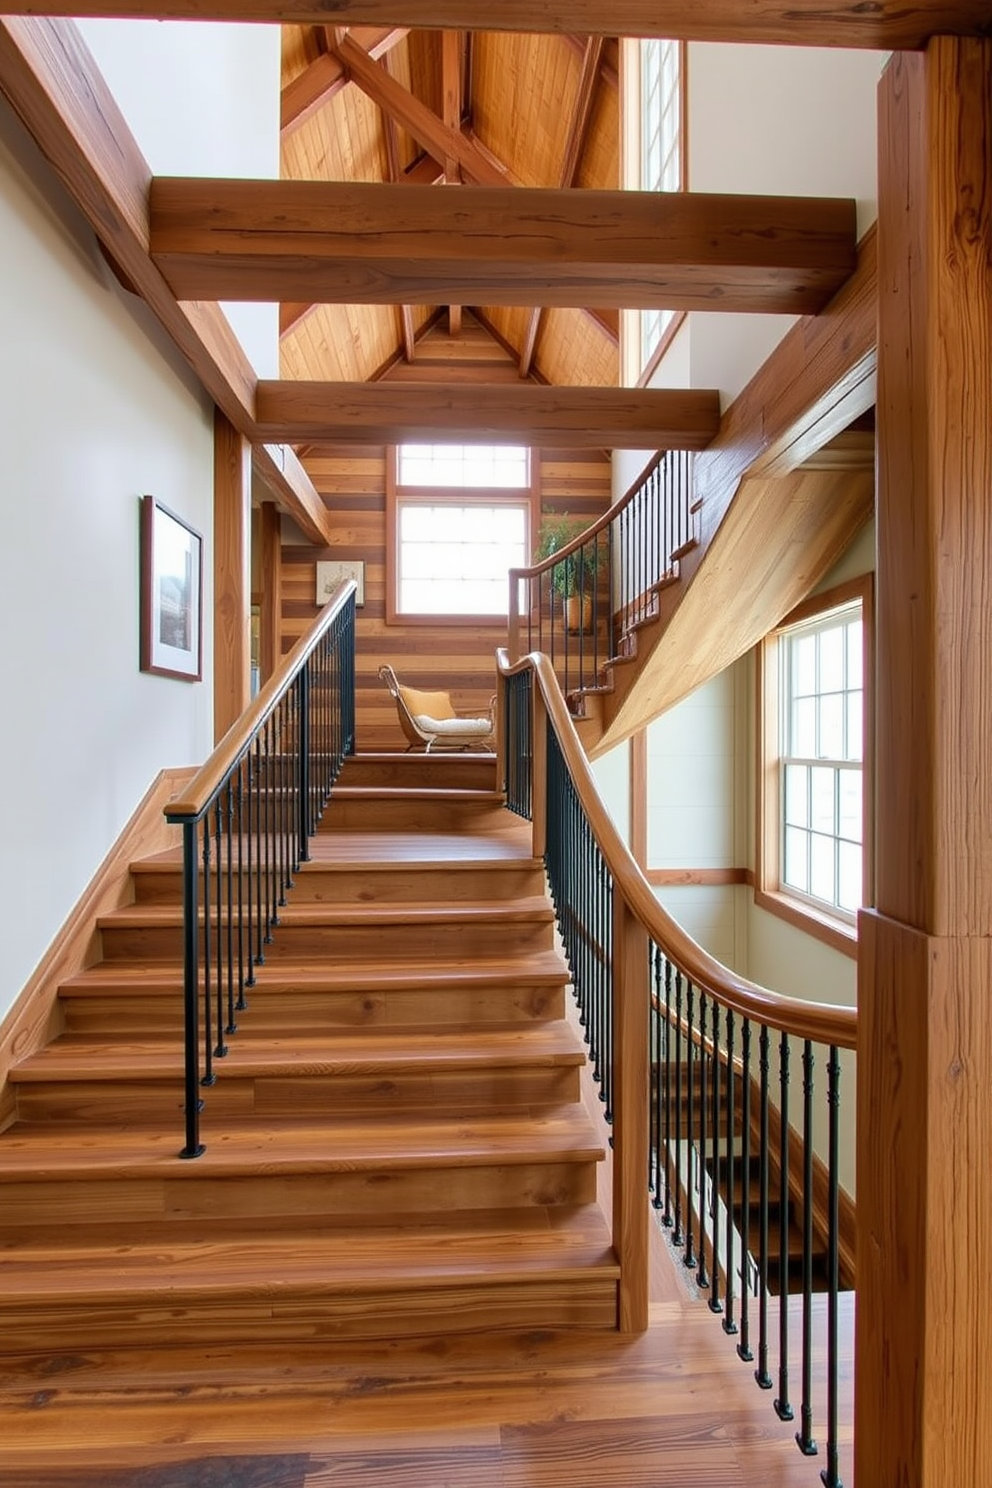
(528, 496)
(767, 894)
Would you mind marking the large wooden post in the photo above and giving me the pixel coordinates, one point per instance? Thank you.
(232, 574)
(924, 1323)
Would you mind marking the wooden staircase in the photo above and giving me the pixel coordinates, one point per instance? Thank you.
(396, 1143)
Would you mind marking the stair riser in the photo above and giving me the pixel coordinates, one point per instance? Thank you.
(315, 884)
(71, 1102)
(381, 1193)
(395, 943)
(387, 814)
(325, 1315)
(420, 771)
(315, 1010)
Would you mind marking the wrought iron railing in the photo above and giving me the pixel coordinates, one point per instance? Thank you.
(581, 605)
(247, 817)
(694, 1067)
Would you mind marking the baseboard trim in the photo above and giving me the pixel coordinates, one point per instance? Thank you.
(34, 1018)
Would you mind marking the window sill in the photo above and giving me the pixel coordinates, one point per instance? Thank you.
(822, 927)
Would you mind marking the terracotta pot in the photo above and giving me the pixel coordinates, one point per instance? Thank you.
(578, 613)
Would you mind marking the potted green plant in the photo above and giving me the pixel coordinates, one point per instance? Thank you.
(574, 578)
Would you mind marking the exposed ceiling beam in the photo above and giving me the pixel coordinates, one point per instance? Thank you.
(430, 131)
(424, 172)
(882, 24)
(609, 63)
(279, 468)
(54, 85)
(575, 140)
(391, 136)
(389, 412)
(608, 321)
(364, 243)
(327, 75)
(452, 74)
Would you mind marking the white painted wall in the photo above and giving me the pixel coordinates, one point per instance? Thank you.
(779, 121)
(93, 415)
(201, 99)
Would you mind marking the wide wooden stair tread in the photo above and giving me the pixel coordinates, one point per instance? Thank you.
(76, 1056)
(37, 1152)
(533, 907)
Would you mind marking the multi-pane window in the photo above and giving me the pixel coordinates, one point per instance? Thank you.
(661, 149)
(462, 521)
(455, 560)
(475, 465)
(821, 693)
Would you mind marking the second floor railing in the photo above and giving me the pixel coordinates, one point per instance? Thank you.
(695, 1067)
(580, 605)
(247, 817)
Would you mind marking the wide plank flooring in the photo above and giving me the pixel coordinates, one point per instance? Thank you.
(674, 1406)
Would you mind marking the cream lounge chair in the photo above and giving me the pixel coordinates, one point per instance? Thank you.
(429, 718)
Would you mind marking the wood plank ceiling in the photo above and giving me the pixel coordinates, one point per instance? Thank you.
(384, 104)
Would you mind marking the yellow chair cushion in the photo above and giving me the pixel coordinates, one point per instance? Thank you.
(435, 704)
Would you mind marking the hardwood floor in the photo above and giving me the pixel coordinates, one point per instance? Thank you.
(507, 1410)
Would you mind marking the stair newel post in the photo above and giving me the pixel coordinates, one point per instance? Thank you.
(631, 1212)
(303, 767)
(191, 989)
(513, 620)
(501, 730)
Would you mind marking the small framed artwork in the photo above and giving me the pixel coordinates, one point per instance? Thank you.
(171, 594)
(333, 573)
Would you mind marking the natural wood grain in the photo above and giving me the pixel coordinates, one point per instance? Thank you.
(270, 605)
(232, 575)
(431, 132)
(888, 24)
(924, 1352)
(309, 90)
(279, 468)
(389, 413)
(287, 240)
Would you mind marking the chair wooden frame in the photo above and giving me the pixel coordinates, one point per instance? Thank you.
(430, 720)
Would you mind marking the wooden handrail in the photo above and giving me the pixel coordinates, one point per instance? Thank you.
(817, 1021)
(200, 790)
(591, 532)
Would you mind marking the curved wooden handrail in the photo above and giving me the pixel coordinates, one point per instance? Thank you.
(817, 1021)
(212, 773)
(592, 531)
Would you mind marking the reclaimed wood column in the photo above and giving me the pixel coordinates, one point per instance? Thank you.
(924, 1325)
(232, 574)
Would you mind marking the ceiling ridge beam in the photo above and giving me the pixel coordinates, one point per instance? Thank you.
(391, 412)
(884, 25)
(575, 140)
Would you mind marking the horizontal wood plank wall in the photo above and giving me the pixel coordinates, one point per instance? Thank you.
(352, 483)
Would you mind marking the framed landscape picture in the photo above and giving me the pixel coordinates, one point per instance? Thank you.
(334, 572)
(171, 594)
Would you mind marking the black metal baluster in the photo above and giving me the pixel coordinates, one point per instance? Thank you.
(744, 1345)
(677, 1235)
(761, 1374)
(191, 989)
(702, 1275)
(244, 902)
(657, 1073)
(804, 1436)
(668, 1093)
(219, 900)
(691, 1161)
(715, 1305)
(208, 1039)
(729, 1325)
(830, 1476)
(782, 1406)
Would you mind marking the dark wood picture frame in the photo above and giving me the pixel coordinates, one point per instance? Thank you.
(171, 594)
